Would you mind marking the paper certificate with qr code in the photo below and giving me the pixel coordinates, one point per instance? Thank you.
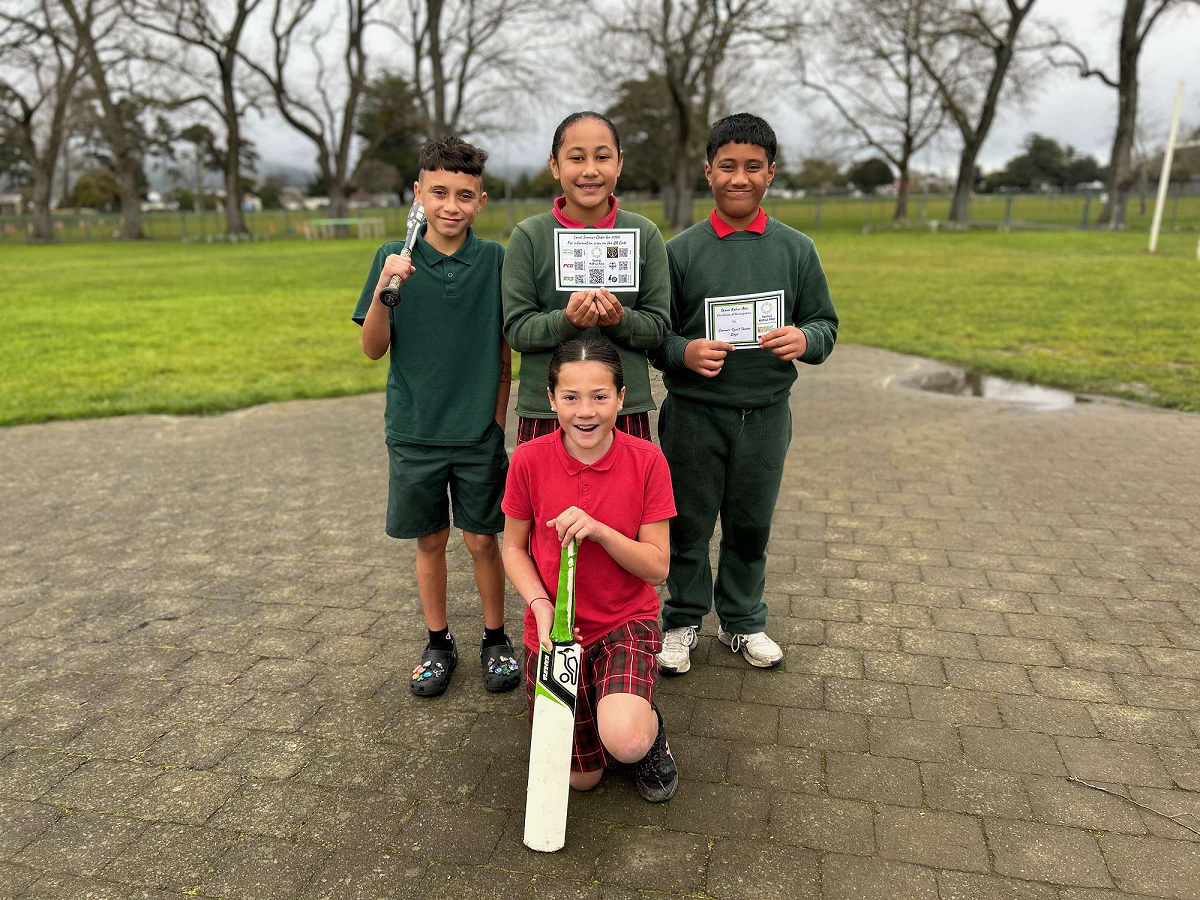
(590, 258)
(743, 319)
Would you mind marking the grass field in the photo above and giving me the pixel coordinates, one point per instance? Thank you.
(108, 329)
(812, 214)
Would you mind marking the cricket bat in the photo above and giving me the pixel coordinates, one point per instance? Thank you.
(555, 689)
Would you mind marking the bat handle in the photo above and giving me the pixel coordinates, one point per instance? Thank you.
(390, 295)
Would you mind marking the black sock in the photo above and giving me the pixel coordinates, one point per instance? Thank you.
(440, 640)
(493, 636)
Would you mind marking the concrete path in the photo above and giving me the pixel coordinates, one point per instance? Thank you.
(206, 642)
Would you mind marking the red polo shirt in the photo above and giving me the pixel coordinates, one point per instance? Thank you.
(625, 489)
(724, 229)
(609, 221)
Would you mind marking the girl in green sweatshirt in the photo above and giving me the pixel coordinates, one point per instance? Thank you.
(541, 311)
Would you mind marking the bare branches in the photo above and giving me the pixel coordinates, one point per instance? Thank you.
(196, 25)
(467, 59)
(1079, 62)
(1137, 19)
(315, 94)
(974, 51)
(696, 47)
(871, 76)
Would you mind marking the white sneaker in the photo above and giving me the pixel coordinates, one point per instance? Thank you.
(758, 649)
(675, 658)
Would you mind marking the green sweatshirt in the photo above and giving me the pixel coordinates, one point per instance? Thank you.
(704, 265)
(535, 321)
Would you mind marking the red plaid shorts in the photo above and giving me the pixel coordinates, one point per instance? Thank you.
(624, 661)
(635, 424)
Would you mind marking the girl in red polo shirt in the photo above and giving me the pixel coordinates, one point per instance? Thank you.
(612, 493)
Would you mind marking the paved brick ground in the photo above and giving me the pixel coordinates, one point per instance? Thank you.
(205, 645)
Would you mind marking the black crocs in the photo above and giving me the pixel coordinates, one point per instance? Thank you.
(501, 671)
(432, 676)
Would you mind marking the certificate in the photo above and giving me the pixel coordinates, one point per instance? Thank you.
(741, 320)
(590, 258)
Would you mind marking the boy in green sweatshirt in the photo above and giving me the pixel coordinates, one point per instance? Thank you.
(725, 425)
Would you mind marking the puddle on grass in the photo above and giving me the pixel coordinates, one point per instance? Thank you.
(971, 383)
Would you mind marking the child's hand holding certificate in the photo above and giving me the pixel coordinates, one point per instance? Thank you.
(744, 319)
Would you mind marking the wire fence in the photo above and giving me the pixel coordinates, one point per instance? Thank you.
(1081, 211)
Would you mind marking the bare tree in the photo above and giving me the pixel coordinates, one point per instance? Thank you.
(215, 33)
(970, 49)
(37, 80)
(321, 100)
(1138, 18)
(696, 46)
(118, 62)
(871, 75)
(469, 60)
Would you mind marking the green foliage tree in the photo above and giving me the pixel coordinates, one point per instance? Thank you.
(870, 174)
(1046, 163)
(388, 120)
(14, 170)
(98, 189)
(269, 195)
(816, 174)
(643, 117)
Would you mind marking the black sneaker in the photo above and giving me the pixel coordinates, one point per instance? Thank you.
(657, 775)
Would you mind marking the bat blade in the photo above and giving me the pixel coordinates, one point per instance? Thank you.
(555, 690)
(549, 785)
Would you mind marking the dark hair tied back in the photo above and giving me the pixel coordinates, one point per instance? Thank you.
(556, 144)
(589, 350)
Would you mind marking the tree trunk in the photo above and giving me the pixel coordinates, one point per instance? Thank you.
(901, 212)
(131, 201)
(234, 220)
(668, 195)
(43, 230)
(235, 223)
(960, 206)
(1120, 172)
(679, 213)
(337, 201)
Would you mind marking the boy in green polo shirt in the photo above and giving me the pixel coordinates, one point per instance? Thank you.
(447, 397)
(726, 424)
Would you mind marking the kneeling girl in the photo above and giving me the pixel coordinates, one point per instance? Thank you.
(612, 493)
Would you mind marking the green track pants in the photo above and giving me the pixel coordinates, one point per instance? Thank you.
(726, 462)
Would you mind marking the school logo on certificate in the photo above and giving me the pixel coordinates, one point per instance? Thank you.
(587, 258)
(742, 319)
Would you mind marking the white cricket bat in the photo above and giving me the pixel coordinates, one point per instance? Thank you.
(555, 689)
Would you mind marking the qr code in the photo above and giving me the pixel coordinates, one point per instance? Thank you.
(595, 276)
(623, 266)
(579, 253)
(612, 252)
(623, 251)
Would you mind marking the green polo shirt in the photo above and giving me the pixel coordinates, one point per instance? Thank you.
(444, 358)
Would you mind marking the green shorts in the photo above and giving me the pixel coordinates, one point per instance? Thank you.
(418, 476)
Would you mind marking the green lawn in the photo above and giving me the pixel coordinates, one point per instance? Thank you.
(818, 215)
(108, 329)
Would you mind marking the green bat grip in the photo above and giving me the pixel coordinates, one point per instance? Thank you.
(563, 631)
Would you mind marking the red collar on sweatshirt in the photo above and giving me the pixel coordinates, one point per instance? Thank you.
(609, 221)
(724, 229)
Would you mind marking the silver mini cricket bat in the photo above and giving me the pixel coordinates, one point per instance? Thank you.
(390, 295)
(556, 687)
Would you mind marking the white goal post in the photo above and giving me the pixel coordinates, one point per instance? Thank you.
(1164, 178)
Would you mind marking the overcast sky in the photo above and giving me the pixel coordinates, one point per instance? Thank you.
(1065, 107)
